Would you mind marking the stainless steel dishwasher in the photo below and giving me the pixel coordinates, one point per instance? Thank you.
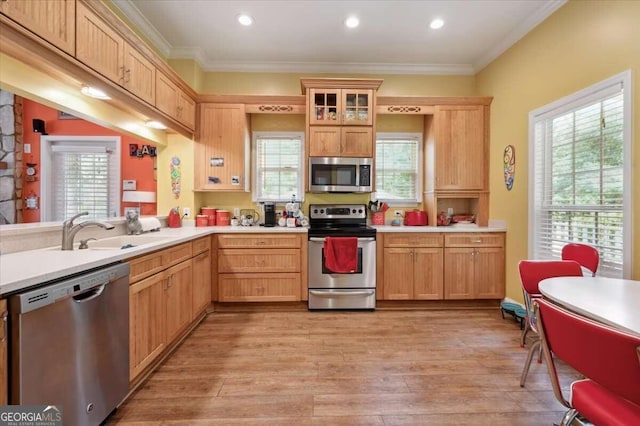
(70, 345)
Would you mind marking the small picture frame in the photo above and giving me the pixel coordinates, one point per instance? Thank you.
(66, 116)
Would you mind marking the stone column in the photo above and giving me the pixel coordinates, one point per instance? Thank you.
(10, 158)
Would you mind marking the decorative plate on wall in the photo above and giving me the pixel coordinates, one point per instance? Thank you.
(509, 163)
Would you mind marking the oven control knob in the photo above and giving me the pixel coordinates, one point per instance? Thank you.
(315, 211)
(322, 211)
(360, 211)
(353, 211)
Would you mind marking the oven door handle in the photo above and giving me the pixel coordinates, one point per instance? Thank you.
(321, 240)
(321, 293)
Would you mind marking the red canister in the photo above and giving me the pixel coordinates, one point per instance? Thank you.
(223, 218)
(202, 220)
(210, 212)
(415, 218)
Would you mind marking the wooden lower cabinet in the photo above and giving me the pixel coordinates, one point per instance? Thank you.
(146, 323)
(261, 267)
(201, 282)
(178, 299)
(474, 266)
(259, 287)
(169, 289)
(413, 267)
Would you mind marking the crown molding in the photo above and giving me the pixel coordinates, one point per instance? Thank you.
(129, 9)
(337, 67)
(512, 38)
(140, 22)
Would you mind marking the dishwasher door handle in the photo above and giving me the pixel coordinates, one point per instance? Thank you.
(90, 294)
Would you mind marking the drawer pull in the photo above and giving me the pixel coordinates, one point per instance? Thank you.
(478, 241)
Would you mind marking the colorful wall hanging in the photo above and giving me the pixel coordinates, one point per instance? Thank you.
(175, 177)
(509, 165)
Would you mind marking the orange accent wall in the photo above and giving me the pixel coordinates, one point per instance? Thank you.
(140, 169)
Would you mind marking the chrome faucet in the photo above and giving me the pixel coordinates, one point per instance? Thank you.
(69, 230)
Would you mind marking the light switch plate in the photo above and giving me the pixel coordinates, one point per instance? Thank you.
(128, 185)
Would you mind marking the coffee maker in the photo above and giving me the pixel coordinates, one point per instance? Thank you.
(269, 214)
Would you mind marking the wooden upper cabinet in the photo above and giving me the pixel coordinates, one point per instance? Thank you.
(186, 110)
(174, 102)
(325, 141)
(139, 75)
(356, 142)
(52, 20)
(460, 147)
(341, 106)
(222, 148)
(340, 116)
(100, 47)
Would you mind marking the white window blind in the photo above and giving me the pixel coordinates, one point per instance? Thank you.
(579, 177)
(398, 168)
(278, 160)
(84, 176)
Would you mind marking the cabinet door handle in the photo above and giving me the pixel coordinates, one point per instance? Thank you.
(4, 320)
(128, 76)
(122, 73)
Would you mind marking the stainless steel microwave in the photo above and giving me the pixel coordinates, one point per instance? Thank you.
(340, 174)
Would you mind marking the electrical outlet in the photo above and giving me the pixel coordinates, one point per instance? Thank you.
(236, 212)
(186, 212)
(397, 213)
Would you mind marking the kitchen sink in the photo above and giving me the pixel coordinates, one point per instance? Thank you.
(124, 242)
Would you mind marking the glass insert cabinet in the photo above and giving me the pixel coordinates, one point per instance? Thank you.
(341, 107)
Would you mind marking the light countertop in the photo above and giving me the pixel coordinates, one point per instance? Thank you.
(24, 269)
(29, 268)
(451, 228)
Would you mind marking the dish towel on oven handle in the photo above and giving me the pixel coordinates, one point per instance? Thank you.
(341, 254)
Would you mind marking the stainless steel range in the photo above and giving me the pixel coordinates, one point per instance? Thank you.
(355, 289)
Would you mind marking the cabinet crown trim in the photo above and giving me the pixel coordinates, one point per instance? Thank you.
(339, 83)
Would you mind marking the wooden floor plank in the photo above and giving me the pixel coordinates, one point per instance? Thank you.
(444, 367)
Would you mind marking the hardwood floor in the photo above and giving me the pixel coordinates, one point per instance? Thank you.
(447, 367)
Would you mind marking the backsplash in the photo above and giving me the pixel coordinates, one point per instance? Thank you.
(34, 236)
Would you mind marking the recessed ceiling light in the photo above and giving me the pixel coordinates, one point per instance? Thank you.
(352, 22)
(245, 20)
(156, 125)
(436, 23)
(94, 93)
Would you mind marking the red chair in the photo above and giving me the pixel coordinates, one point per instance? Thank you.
(586, 255)
(608, 359)
(531, 273)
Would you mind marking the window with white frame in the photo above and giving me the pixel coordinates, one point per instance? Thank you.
(398, 168)
(580, 170)
(80, 174)
(278, 166)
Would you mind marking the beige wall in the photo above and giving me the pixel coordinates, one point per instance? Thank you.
(579, 45)
(230, 83)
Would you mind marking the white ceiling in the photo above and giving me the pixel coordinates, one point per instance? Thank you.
(310, 36)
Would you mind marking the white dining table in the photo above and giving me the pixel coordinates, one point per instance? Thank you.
(612, 301)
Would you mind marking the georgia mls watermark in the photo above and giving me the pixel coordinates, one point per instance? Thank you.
(30, 415)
